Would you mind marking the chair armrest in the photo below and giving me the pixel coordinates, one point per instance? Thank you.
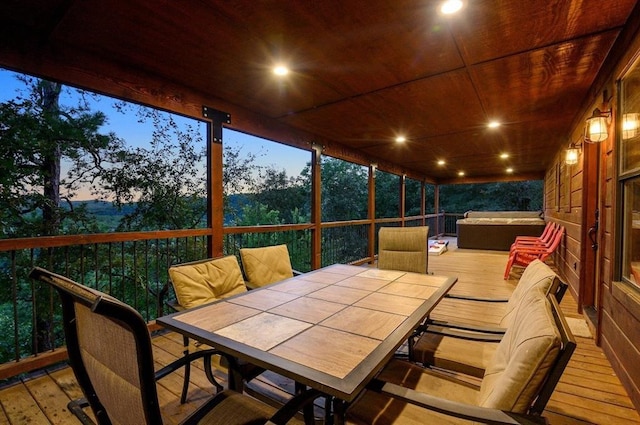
(453, 408)
(464, 334)
(293, 406)
(465, 326)
(186, 359)
(532, 249)
(480, 299)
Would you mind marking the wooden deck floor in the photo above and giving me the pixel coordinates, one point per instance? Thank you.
(589, 391)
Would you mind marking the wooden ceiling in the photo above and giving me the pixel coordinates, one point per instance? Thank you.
(362, 71)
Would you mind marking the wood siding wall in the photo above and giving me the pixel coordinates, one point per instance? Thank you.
(618, 316)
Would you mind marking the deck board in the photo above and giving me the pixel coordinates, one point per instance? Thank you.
(588, 392)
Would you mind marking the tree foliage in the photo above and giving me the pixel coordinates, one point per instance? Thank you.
(37, 133)
(165, 180)
(510, 196)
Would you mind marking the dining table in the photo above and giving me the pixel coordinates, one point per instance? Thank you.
(332, 329)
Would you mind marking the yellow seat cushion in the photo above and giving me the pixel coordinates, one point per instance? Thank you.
(205, 281)
(266, 265)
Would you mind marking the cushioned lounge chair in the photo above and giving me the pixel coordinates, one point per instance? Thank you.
(515, 388)
(266, 265)
(403, 248)
(111, 355)
(467, 348)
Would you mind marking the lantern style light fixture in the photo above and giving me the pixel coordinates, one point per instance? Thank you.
(596, 126)
(572, 154)
(630, 125)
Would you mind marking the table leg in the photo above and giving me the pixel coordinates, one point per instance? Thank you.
(236, 380)
(307, 410)
(328, 410)
(339, 411)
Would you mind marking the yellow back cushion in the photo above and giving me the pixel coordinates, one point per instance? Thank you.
(205, 281)
(266, 265)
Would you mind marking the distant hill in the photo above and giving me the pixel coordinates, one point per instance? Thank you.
(105, 208)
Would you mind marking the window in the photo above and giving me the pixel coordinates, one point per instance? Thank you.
(629, 143)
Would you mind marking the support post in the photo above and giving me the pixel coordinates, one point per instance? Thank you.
(215, 197)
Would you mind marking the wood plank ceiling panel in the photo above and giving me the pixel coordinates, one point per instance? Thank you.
(362, 72)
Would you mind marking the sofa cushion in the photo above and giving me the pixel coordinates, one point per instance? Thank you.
(523, 357)
(536, 274)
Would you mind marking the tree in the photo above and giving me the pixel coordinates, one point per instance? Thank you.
(507, 196)
(37, 133)
(164, 180)
(278, 192)
(387, 195)
(344, 189)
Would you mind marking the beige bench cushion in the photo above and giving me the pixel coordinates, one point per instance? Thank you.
(472, 357)
(205, 281)
(536, 275)
(266, 265)
(456, 354)
(512, 380)
(374, 408)
(523, 358)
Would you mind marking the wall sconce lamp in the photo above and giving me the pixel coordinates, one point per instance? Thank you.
(596, 126)
(572, 153)
(630, 125)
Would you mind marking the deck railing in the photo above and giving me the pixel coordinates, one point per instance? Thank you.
(133, 267)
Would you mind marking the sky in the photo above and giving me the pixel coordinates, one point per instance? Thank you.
(126, 126)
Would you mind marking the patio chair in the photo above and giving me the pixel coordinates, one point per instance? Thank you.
(514, 389)
(266, 265)
(403, 248)
(200, 282)
(537, 273)
(544, 239)
(522, 256)
(111, 355)
(468, 348)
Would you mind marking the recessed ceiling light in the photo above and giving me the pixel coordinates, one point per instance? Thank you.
(504, 155)
(450, 6)
(461, 173)
(441, 162)
(494, 124)
(401, 139)
(281, 70)
(509, 170)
